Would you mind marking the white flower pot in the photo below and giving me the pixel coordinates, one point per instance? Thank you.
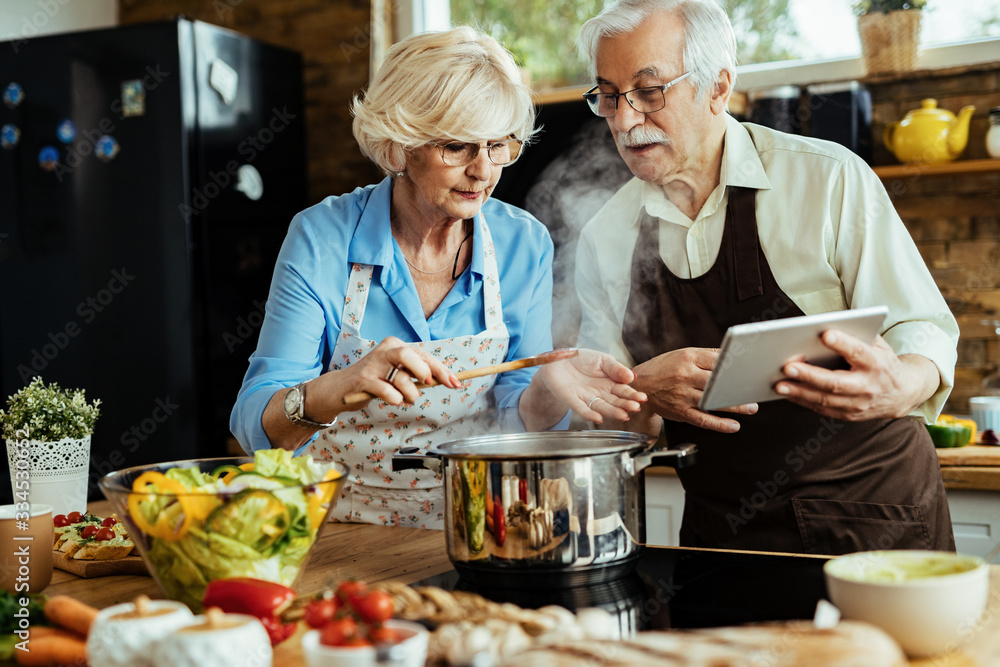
(55, 472)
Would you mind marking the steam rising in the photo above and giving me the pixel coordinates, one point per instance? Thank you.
(567, 194)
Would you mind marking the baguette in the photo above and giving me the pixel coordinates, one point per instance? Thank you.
(787, 644)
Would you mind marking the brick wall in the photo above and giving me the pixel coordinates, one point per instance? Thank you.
(954, 219)
(333, 37)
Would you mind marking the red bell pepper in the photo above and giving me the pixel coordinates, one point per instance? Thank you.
(265, 600)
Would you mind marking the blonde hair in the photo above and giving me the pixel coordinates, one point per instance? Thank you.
(458, 84)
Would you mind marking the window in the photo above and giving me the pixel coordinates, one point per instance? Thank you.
(542, 33)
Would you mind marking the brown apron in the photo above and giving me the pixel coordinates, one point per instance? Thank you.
(790, 480)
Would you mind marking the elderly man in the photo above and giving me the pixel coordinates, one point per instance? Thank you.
(726, 223)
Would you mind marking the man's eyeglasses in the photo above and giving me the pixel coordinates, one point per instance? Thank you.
(643, 100)
(459, 154)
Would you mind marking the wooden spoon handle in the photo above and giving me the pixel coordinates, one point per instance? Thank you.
(527, 362)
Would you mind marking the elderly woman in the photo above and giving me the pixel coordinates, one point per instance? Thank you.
(446, 278)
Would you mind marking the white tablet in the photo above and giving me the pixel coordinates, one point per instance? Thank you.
(751, 355)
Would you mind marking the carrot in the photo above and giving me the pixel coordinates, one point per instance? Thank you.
(54, 649)
(39, 631)
(69, 613)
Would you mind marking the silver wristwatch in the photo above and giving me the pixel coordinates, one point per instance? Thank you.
(294, 404)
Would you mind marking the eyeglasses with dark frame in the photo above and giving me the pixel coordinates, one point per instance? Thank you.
(647, 99)
(459, 154)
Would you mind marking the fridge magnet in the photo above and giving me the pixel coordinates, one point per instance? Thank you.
(133, 98)
(13, 94)
(224, 80)
(48, 158)
(9, 136)
(66, 131)
(106, 148)
(249, 182)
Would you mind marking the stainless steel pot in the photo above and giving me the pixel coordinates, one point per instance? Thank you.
(544, 509)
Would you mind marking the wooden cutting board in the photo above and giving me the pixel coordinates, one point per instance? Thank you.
(970, 455)
(88, 569)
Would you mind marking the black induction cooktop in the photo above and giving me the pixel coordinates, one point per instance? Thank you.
(682, 588)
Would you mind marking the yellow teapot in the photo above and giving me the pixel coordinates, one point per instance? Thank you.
(928, 134)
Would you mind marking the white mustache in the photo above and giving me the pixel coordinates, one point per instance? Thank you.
(641, 135)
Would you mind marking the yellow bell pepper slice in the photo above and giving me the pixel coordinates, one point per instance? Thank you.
(163, 527)
(317, 500)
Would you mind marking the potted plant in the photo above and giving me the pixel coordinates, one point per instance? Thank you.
(48, 431)
(890, 34)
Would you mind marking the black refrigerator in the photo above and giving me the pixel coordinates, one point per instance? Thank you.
(148, 174)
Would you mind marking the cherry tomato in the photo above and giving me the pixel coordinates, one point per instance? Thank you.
(60, 521)
(350, 588)
(74, 517)
(104, 534)
(338, 631)
(384, 635)
(110, 521)
(88, 532)
(374, 606)
(320, 612)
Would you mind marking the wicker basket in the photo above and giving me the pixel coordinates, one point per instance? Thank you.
(889, 40)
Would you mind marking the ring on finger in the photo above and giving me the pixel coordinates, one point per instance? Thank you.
(392, 374)
(591, 402)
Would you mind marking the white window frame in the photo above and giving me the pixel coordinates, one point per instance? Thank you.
(413, 16)
(801, 72)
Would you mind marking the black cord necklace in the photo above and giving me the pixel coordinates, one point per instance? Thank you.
(454, 267)
(457, 254)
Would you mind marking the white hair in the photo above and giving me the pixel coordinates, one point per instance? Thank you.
(709, 42)
(456, 84)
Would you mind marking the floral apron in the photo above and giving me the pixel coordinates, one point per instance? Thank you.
(366, 439)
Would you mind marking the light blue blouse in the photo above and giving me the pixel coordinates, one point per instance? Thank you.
(309, 284)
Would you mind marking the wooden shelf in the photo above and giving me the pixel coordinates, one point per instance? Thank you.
(945, 169)
(557, 95)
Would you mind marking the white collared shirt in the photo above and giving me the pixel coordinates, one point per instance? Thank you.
(828, 229)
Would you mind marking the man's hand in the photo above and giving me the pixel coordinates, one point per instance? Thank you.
(879, 384)
(674, 382)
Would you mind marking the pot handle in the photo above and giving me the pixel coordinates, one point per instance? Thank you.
(681, 456)
(410, 458)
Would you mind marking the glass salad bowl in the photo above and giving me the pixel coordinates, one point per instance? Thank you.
(204, 519)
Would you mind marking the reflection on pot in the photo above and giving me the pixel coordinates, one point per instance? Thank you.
(623, 598)
(474, 500)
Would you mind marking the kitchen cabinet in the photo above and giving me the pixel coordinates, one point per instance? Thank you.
(973, 497)
(664, 507)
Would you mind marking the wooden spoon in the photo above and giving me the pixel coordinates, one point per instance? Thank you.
(527, 362)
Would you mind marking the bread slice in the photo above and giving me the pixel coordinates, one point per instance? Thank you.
(71, 544)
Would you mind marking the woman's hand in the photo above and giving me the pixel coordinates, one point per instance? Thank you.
(593, 385)
(389, 372)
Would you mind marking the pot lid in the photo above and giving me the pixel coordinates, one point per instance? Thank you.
(544, 445)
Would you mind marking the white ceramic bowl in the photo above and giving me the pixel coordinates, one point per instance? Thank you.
(237, 641)
(118, 638)
(928, 601)
(411, 649)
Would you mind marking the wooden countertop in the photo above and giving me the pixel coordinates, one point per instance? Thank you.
(973, 467)
(380, 553)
